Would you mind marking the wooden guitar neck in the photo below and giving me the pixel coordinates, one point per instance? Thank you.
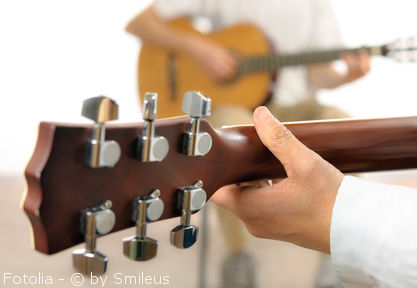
(273, 62)
(350, 145)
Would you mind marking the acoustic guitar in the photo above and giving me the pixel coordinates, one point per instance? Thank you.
(172, 74)
(84, 181)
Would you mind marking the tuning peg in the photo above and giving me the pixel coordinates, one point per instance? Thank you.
(196, 105)
(145, 209)
(99, 152)
(94, 221)
(190, 198)
(150, 147)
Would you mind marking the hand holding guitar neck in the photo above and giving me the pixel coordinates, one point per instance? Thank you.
(357, 65)
(296, 209)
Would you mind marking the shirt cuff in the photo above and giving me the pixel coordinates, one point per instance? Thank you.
(373, 239)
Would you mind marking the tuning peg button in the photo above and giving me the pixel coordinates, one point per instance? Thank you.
(151, 148)
(99, 152)
(145, 209)
(196, 104)
(190, 198)
(196, 143)
(94, 221)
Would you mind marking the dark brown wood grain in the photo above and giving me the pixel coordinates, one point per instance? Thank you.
(60, 185)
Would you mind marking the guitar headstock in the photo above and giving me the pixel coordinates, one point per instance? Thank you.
(89, 180)
(402, 50)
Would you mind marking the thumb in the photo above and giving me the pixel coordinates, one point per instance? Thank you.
(280, 141)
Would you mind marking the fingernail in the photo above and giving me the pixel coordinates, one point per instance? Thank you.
(262, 113)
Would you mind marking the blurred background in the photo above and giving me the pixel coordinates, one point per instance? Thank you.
(54, 54)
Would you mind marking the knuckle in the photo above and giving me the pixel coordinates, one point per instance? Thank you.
(280, 135)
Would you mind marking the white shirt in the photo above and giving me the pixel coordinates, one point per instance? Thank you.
(291, 26)
(373, 237)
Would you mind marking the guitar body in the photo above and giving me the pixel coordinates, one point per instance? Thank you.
(171, 75)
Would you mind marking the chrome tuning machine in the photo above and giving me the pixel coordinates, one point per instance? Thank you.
(94, 221)
(145, 209)
(151, 148)
(196, 105)
(190, 198)
(101, 152)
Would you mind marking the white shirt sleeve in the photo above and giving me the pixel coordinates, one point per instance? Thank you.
(169, 9)
(373, 234)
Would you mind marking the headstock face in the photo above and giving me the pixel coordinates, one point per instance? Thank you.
(402, 50)
(60, 184)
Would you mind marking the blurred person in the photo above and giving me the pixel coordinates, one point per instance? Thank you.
(367, 227)
(291, 26)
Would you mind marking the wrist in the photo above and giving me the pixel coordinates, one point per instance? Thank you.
(314, 232)
(192, 45)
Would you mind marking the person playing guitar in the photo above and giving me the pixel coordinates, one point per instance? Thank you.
(291, 26)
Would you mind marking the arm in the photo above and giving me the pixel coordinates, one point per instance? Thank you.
(327, 77)
(152, 30)
(215, 60)
(367, 227)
